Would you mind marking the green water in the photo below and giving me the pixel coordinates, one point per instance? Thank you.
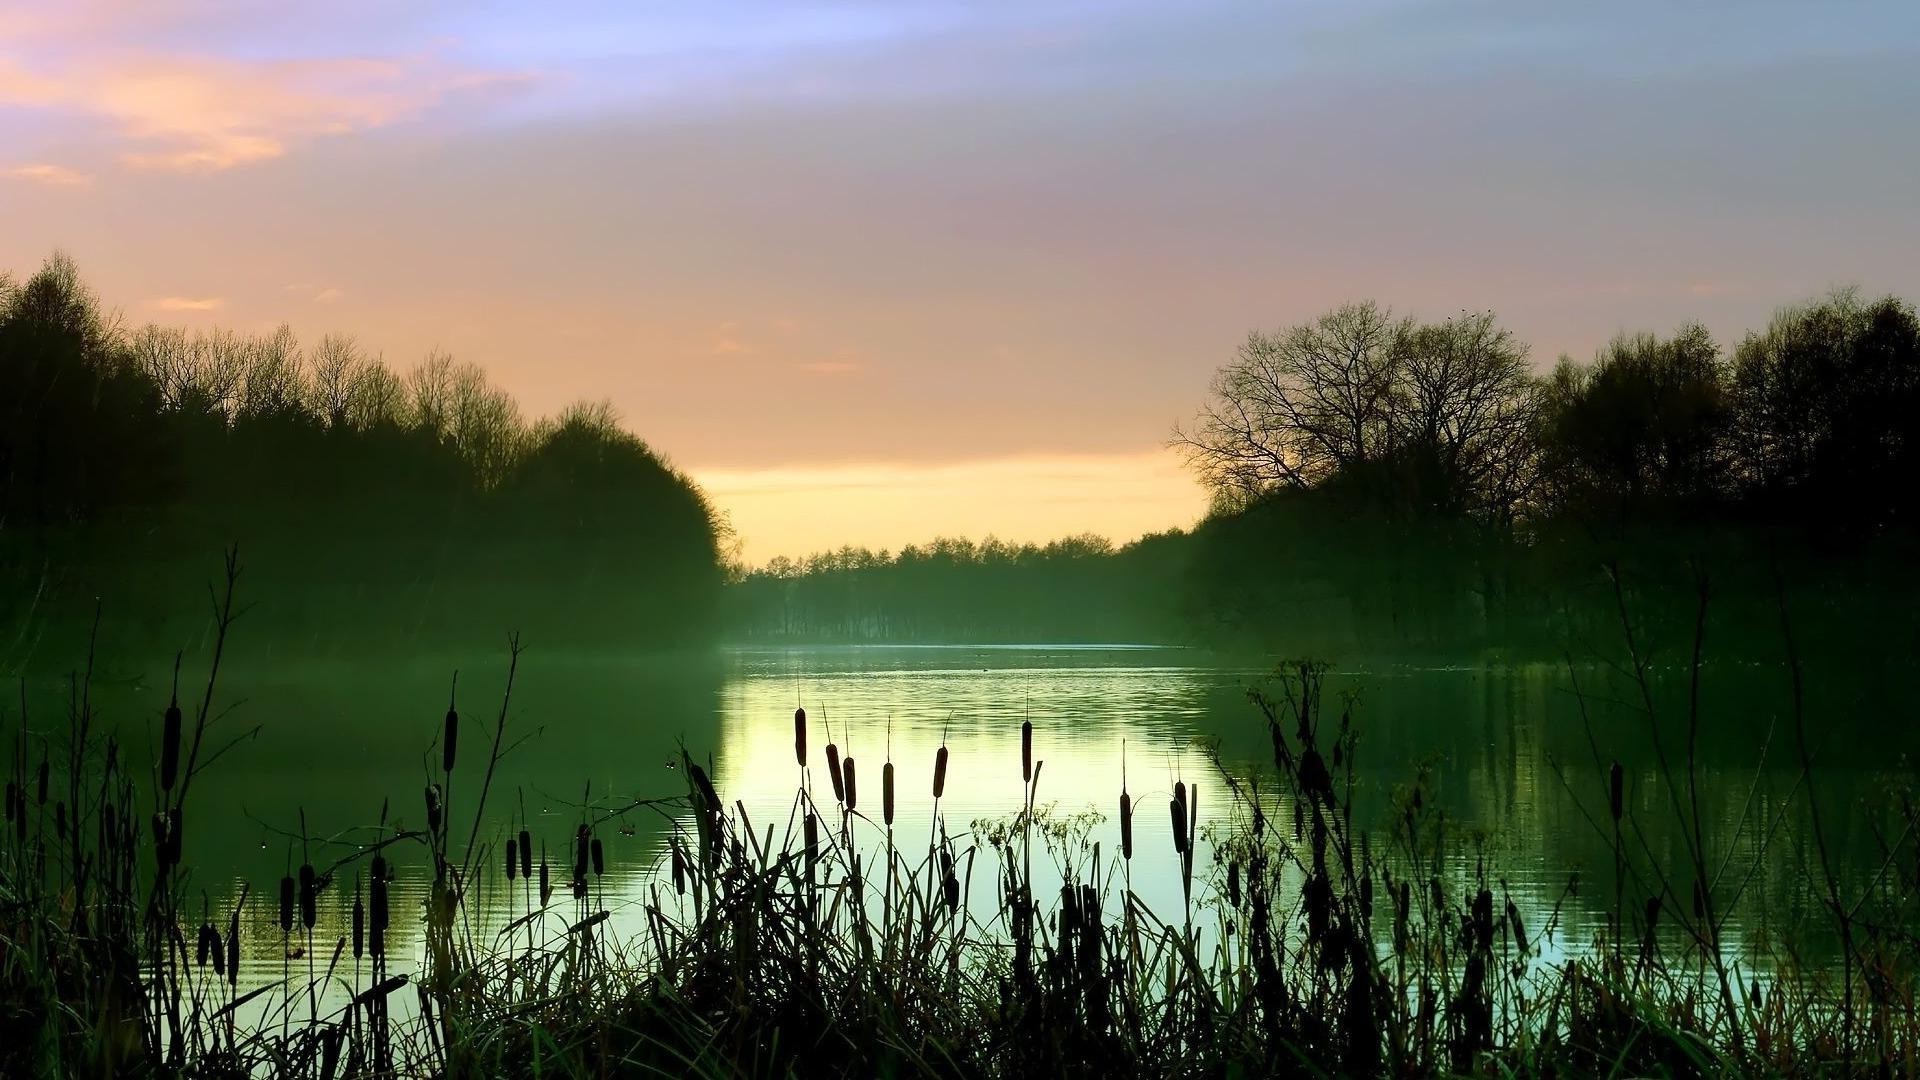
(1513, 755)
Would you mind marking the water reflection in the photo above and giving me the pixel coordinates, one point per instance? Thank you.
(1512, 754)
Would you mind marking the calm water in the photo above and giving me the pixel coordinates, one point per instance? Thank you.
(1511, 753)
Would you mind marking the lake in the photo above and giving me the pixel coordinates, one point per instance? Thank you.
(1513, 753)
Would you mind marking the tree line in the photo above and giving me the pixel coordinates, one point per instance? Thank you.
(1380, 482)
(368, 503)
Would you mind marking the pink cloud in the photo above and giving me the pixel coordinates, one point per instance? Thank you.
(203, 114)
(190, 303)
(48, 175)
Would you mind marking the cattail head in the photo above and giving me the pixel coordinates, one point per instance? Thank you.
(219, 953)
(1233, 883)
(599, 858)
(526, 854)
(286, 905)
(546, 886)
(1126, 825)
(886, 792)
(833, 773)
(1616, 791)
(434, 808)
(170, 746)
(309, 893)
(1026, 751)
(853, 792)
(679, 868)
(940, 772)
(949, 881)
(1179, 813)
(205, 950)
(513, 863)
(451, 742)
(176, 834)
(582, 852)
(800, 737)
(233, 948)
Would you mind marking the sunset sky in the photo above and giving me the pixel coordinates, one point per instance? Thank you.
(875, 271)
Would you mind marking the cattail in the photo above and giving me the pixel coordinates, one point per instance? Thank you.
(833, 773)
(205, 950)
(526, 854)
(360, 920)
(582, 844)
(599, 858)
(1233, 883)
(1179, 825)
(1026, 751)
(309, 891)
(1616, 791)
(1126, 825)
(219, 953)
(546, 887)
(1193, 809)
(886, 793)
(286, 905)
(175, 835)
(1519, 928)
(513, 864)
(433, 808)
(377, 906)
(160, 845)
(170, 746)
(853, 795)
(810, 833)
(679, 869)
(800, 737)
(940, 772)
(452, 741)
(233, 947)
(950, 883)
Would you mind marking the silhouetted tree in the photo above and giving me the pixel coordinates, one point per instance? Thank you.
(1643, 428)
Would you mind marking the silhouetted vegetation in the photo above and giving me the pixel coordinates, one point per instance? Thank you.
(374, 506)
(1382, 485)
(1304, 939)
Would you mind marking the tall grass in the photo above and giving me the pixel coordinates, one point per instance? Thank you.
(1305, 942)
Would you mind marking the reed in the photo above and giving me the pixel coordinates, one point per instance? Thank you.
(1312, 945)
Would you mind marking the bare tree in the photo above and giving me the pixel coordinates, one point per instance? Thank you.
(336, 360)
(483, 422)
(273, 381)
(376, 397)
(1435, 417)
(1297, 405)
(1466, 406)
(430, 392)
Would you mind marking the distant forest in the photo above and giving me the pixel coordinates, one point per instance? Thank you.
(1382, 485)
(372, 508)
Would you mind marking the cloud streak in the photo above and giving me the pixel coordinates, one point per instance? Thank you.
(189, 303)
(205, 114)
(48, 175)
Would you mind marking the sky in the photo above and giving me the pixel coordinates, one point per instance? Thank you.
(886, 269)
